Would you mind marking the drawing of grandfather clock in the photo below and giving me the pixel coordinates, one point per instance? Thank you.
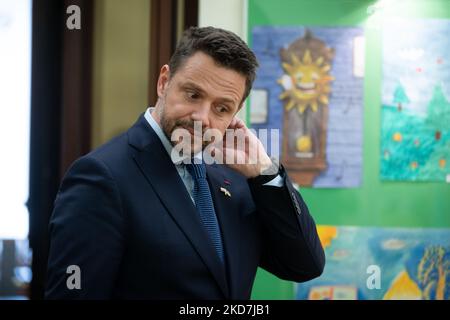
(306, 89)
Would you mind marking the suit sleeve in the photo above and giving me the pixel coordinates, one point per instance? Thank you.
(292, 249)
(86, 230)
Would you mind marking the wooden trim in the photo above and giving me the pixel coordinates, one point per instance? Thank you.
(190, 13)
(45, 140)
(60, 115)
(76, 87)
(162, 30)
(163, 35)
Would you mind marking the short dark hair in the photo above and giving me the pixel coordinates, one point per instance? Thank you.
(225, 47)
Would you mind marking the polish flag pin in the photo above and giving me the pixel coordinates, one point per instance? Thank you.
(225, 191)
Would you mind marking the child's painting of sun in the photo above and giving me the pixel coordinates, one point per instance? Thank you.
(312, 83)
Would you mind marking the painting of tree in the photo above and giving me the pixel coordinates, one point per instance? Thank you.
(415, 108)
(433, 270)
(400, 97)
(438, 112)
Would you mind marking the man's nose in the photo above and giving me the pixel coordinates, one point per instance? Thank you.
(201, 113)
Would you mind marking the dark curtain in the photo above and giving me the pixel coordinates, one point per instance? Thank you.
(60, 115)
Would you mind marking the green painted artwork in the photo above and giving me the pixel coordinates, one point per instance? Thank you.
(415, 118)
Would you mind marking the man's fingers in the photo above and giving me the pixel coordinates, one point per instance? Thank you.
(236, 123)
(232, 123)
(239, 123)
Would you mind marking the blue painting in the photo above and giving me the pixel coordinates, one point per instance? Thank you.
(415, 126)
(367, 263)
(309, 86)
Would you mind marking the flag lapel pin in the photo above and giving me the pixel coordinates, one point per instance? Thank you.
(225, 191)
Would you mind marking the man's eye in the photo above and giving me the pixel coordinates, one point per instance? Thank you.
(221, 109)
(192, 95)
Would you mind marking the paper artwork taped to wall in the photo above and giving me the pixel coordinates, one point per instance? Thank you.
(365, 263)
(313, 81)
(415, 117)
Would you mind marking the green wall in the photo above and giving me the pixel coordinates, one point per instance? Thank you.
(375, 203)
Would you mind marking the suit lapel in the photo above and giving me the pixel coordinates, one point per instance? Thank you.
(161, 173)
(229, 219)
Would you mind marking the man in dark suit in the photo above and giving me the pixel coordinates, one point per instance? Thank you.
(132, 222)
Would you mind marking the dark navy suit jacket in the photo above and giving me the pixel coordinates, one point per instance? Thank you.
(125, 218)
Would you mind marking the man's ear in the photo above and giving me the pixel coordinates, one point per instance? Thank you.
(163, 80)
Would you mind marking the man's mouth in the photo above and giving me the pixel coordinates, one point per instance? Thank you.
(191, 130)
(194, 133)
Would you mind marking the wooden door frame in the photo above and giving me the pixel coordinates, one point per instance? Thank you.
(163, 34)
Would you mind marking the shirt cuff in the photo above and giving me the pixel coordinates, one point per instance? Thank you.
(275, 182)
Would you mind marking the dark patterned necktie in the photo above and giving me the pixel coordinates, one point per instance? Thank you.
(205, 206)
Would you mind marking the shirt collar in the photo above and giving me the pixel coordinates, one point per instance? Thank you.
(155, 126)
(159, 132)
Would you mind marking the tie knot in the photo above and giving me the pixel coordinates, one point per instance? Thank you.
(196, 170)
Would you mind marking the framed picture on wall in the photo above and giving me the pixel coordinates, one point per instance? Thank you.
(313, 80)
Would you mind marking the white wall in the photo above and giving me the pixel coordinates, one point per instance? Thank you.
(229, 14)
(226, 14)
